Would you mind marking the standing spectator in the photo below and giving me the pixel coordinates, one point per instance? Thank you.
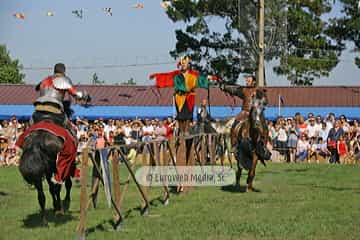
(342, 149)
(272, 133)
(311, 128)
(293, 136)
(302, 126)
(127, 132)
(136, 133)
(324, 131)
(170, 126)
(356, 127)
(148, 131)
(344, 123)
(160, 131)
(109, 127)
(282, 140)
(334, 135)
(330, 121)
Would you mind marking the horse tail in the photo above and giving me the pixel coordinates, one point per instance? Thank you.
(34, 163)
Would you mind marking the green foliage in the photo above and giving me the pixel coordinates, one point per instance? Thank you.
(294, 34)
(9, 69)
(229, 49)
(95, 80)
(310, 52)
(296, 201)
(130, 82)
(347, 27)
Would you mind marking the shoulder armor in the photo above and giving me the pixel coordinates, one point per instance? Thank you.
(62, 83)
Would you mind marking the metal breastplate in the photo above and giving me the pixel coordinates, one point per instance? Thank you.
(52, 95)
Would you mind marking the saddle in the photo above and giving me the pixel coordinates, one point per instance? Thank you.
(58, 119)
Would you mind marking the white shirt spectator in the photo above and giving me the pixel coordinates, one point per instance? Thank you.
(108, 128)
(303, 145)
(311, 130)
(282, 136)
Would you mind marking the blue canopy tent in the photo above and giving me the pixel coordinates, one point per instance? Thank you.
(24, 112)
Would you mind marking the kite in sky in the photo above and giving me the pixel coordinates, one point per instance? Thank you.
(20, 16)
(50, 14)
(107, 11)
(138, 6)
(165, 4)
(78, 13)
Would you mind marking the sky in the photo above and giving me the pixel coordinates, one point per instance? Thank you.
(130, 39)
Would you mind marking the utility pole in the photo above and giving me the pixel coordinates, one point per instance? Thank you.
(261, 68)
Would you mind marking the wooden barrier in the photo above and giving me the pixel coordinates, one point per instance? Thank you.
(156, 153)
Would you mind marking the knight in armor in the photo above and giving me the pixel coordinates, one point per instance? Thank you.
(50, 105)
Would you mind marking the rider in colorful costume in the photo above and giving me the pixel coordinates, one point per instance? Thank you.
(246, 94)
(184, 81)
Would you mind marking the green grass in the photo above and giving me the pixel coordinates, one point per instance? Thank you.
(295, 202)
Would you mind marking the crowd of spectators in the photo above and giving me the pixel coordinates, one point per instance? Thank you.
(337, 140)
(100, 133)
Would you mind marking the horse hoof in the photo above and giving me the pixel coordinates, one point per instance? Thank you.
(66, 205)
(145, 212)
(119, 227)
(44, 223)
(167, 201)
(59, 213)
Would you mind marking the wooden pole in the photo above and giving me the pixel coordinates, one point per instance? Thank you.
(116, 180)
(81, 229)
(261, 66)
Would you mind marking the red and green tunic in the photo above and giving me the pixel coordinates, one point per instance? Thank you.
(184, 85)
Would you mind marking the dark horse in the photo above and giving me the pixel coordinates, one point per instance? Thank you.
(251, 139)
(38, 161)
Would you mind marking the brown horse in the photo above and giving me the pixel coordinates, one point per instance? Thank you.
(250, 138)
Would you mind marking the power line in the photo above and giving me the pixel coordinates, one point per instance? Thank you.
(102, 66)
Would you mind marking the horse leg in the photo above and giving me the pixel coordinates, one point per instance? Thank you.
(41, 200)
(53, 193)
(66, 202)
(238, 175)
(251, 174)
(58, 210)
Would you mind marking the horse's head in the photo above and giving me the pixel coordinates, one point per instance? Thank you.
(258, 128)
(258, 104)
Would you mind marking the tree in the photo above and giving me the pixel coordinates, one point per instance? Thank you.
(294, 33)
(234, 49)
(347, 27)
(95, 80)
(9, 69)
(310, 52)
(130, 82)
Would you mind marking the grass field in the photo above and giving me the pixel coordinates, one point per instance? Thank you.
(294, 202)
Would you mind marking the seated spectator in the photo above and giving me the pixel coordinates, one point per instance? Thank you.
(321, 149)
(303, 148)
